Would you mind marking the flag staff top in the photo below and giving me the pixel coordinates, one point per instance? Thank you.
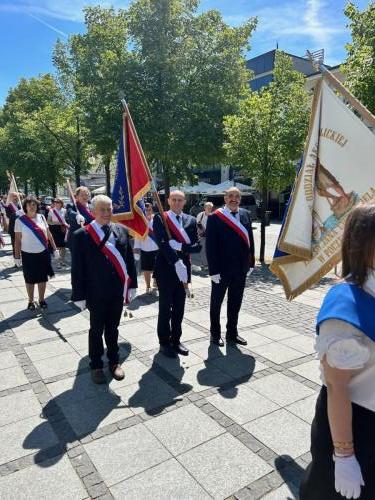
(317, 59)
(154, 191)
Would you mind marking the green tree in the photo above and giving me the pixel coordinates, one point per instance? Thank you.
(359, 67)
(189, 72)
(93, 67)
(39, 137)
(266, 136)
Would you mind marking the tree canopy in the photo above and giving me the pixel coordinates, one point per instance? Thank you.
(359, 67)
(269, 131)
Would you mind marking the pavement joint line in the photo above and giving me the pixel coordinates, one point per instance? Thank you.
(301, 324)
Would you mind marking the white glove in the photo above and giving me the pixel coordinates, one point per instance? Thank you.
(132, 293)
(215, 278)
(18, 262)
(81, 304)
(348, 476)
(80, 219)
(181, 271)
(137, 256)
(175, 245)
(250, 271)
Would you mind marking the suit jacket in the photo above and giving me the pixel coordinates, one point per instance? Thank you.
(227, 253)
(70, 217)
(167, 257)
(93, 276)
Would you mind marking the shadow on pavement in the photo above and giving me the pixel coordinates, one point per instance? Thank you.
(73, 414)
(292, 474)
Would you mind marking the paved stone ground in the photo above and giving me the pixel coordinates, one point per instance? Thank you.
(221, 423)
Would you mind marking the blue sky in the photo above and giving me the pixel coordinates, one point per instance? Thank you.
(30, 28)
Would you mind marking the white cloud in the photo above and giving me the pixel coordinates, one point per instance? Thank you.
(70, 10)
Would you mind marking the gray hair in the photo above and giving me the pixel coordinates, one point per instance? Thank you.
(101, 198)
(208, 204)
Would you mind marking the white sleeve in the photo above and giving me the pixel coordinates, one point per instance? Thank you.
(343, 345)
(17, 226)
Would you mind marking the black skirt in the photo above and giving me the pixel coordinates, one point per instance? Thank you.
(148, 260)
(37, 267)
(319, 480)
(58, 234)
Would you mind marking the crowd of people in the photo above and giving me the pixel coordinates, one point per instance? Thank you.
(104, 277)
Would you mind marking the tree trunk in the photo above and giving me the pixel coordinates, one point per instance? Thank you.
(263, 209)
(167, 185)
(77, 174)
(26, 188)
(78, 155)
(54, 189)
(107, 165)
(36, 190)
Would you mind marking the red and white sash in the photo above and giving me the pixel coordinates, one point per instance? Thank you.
(225, 215)
(60, 219)
(35, 229)
(112, 254)
(176, 229)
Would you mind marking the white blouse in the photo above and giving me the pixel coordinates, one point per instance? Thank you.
(52, 219)
(347, 348)
(29, 242)
(148, 244)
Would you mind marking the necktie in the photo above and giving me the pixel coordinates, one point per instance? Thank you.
(234, 214)
(178, 217)
(105, 229)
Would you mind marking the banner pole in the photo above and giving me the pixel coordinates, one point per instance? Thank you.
(154, 191)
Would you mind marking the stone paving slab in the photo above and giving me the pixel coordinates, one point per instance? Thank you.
(168, 480)
(25, 437)
(291, 435)
(242, 404)
(183, 429)
(126, 453)
(50, 479)
(18, 406)
(280, 389)
(223, 465)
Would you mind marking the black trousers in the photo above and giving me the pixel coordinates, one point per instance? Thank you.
(104, 318)
(172, 298)
(319, 480)
(235, 284)
(13, 242)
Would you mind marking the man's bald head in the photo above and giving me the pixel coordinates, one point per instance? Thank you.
(176, 201)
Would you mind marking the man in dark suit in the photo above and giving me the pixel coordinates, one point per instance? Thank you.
(230, 256)
(102, 259)
(173, 271)
(78, 214)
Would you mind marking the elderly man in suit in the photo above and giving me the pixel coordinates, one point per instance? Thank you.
(173, 270)
(103, 277)
(230, 257)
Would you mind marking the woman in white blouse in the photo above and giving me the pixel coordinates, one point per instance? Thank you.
(146, 251)
(32, 238)
(343, 430)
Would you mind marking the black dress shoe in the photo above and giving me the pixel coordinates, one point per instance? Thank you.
(181, 349)
(217, 341)
(168, 351)
(237, 340)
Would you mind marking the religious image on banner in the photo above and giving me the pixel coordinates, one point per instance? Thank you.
(132, 182)
(337, 173)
